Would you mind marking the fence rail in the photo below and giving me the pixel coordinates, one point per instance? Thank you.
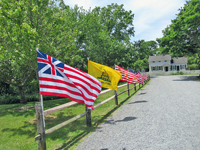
(41, 137)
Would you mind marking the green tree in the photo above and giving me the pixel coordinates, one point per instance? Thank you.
(118, 21)
(143, 49)
(26, 25)
(182, 37)
(104, 33)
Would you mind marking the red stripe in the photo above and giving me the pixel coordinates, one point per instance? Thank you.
(62, 95)
(45, 61)
(42, 60)
(93, 84)
(81, 73)
(52, 66)
(89, 106)
(65, 89)
(80, 79)
(60, 88)
(126, 75)
(88, 91)
(56, 81)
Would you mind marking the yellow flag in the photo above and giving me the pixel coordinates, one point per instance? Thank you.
(108, 77)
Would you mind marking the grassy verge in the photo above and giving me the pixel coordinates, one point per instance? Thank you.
(175, 74)
(18, 124)
(198, 78)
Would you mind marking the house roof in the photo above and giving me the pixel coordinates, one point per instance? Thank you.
(159, 58)
(180, 60)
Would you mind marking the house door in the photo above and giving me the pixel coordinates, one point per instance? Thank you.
(177, 68)
(166, 68)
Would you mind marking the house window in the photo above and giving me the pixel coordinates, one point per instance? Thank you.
(159, 61)
(165, 60)
(160, 67)
(154, 68)
(153, 61)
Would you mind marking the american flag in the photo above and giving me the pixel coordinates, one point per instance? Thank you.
(140, 78)
(138, 75)
(134, 72)
(144, 75)
(126, 75)
(59, 79)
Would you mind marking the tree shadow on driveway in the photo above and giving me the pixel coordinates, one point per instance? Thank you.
(187, 78)
(143, 101)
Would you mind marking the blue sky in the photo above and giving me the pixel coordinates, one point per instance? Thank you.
(150, 16)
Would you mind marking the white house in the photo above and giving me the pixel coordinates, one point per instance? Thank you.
(166, 63)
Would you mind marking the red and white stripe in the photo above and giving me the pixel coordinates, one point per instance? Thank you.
(140, 78)
(126, 75)
(145, 76)
(75, 84)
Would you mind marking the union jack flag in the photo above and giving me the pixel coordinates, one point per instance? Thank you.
(126, 75)
(59, 79)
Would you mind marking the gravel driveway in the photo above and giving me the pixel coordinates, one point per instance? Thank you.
(164, 115)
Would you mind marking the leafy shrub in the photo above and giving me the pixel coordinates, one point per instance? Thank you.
(177, 73)
(181, 73)
(193, 67)
(172, 73)
(10, 99)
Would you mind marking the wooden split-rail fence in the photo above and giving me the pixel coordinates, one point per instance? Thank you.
(41, 137)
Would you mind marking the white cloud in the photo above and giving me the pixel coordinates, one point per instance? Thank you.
(151, 16)
(86, 4)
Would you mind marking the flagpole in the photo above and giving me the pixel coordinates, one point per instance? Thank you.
(128, 86)
(41, 98)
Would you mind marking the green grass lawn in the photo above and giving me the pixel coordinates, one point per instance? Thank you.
(18, 126)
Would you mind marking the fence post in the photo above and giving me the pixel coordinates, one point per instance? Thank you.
(40, 127)
(128, 89)
(116, 100)
(88, 117)
(135, 86)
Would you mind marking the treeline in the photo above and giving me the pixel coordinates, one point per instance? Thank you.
(182, 36)
(71, 35)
